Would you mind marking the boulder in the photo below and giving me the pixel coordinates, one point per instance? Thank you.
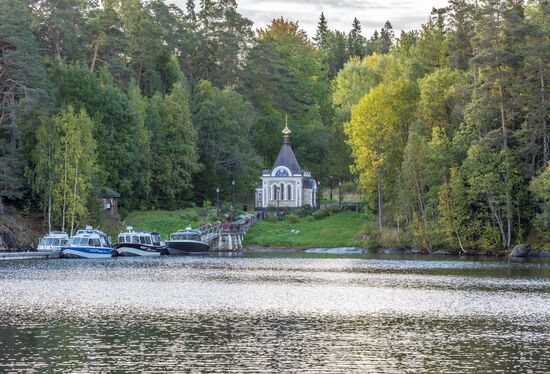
(520, 250)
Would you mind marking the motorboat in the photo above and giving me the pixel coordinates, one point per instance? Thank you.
(187, 242)
(88, 243)
(139, 243)
(53, 242)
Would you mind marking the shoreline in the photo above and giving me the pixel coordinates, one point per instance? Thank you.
(535, 253)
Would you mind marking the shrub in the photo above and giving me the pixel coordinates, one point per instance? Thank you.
(349, 187)
(335, 208)
(293, 218)
(271, 219)
(206, 203)
(321, 213)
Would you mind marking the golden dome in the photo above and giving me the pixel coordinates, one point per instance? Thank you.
(286, 131)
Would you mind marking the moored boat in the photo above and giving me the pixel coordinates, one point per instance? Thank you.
(187, 242)
(132, 243)
(53, 242)
(88, 243)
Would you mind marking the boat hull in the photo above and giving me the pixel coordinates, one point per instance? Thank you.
(86, 252)
(187, 247)
(127, 249)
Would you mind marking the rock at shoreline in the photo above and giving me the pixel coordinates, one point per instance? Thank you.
(520, 250)
(392, 251)
(441, 252)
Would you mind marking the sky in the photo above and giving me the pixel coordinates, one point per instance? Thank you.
(403, 14)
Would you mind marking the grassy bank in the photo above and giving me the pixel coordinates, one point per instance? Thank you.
(337, 230)
(164, 222)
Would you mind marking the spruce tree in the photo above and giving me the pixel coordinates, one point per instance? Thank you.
(356, 41)
(386, 37)
(22, 82)
(321, 35)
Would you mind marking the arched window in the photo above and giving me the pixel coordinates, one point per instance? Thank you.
(282, 197)
(274, 196)
(289, 192)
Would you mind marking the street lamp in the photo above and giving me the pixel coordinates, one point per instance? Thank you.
(339, 192)
(218, 197)
(331, 188)
(277, 195)
(233, 199)
(319, 194)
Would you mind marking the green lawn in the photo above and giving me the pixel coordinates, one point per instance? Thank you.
(337, 230)
(164, 222)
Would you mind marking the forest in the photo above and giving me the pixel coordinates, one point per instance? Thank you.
(443, 129)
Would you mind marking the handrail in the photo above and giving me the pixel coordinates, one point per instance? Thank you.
(240, 227)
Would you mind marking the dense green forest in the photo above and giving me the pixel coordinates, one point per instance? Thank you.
(444, 129)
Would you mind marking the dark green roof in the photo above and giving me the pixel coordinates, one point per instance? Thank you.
(108, 192)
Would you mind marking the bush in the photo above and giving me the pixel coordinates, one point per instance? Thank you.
(349, 187)
(271, 219)
(293, 218)
(206, 203)
(335, 208)
(321, 213)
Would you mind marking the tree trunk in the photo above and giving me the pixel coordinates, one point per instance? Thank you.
(65, 181)
(498, 220)
(13, 127)
(545, 141)
(74, 197)
(94, 56)
(380, 206)
(50, 211)
(509, 213)
(460, 242)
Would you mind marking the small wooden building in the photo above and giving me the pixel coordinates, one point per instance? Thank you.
(109, 202)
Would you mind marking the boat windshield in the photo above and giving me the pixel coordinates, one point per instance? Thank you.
(178, 236)
(156, 239)
(46, 241)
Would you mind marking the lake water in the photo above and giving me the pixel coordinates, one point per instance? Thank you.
(275, 314)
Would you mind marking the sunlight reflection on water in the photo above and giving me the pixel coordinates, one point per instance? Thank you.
(274, 314)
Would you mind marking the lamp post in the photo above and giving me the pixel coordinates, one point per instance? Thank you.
(339, 192)
(277, 195)
(331, 188)
(318, 194)
(218, 197)
(233, 198)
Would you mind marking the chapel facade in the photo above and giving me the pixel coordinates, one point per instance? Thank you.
(286, 185)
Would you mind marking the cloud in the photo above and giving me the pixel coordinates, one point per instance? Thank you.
(403, 14)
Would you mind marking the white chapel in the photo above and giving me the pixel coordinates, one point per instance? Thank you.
(286, 185)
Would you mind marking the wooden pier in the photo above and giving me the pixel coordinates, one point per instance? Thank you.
(227, 237)
(8, 256)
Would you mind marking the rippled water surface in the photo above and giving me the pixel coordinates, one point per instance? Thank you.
(275, 314)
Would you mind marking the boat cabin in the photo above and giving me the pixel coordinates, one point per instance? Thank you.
(53, 241)
(141, 237)
(187, 234)
(89, 238)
